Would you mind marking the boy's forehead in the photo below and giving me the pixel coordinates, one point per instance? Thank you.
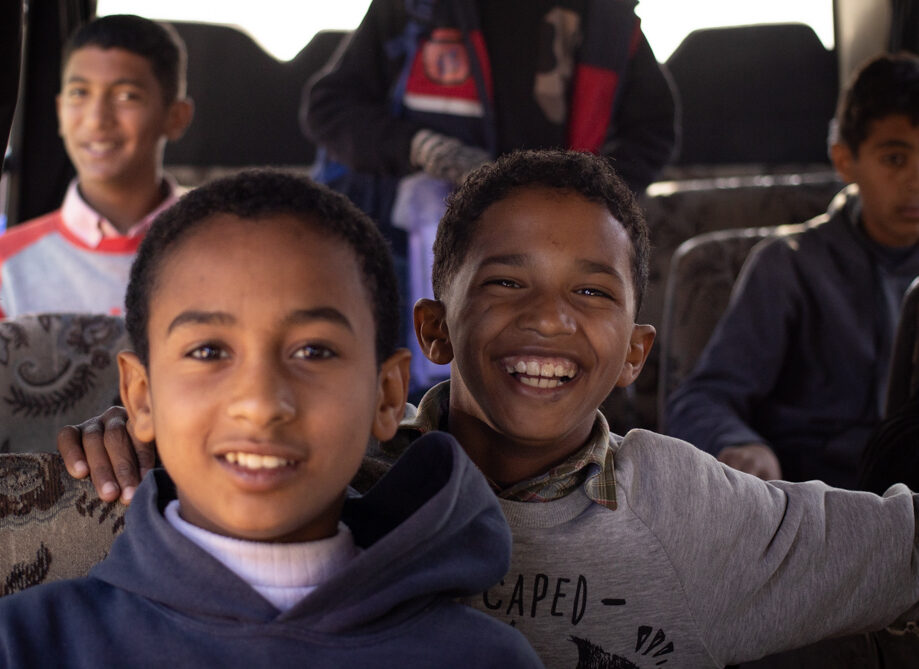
(891, 129)
(109, 65)
(301, 240)
(529, 198)
(516, 209)
(530, 220)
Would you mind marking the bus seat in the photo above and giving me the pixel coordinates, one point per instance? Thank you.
(52, 526)
(679, 210)
(55, 369)
(246, 101)
(754, 94)
(703, 270)
(903, 382)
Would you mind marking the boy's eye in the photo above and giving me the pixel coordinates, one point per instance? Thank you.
(208, 352)
(313, 352)
(127, 96)
(894, 159)
(594, 292)
(76, 93)
(504, 283)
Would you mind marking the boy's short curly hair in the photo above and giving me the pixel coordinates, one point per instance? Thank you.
(159, 43)
(252, 195)
(586, 174)
(886, 85)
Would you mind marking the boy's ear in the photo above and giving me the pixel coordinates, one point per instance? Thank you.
(392, 394)
(178, 118)
(431, 331)
(843, 161)
(639, 346)
(135, 393)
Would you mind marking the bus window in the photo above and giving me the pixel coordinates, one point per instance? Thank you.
(280, 27)
(665, 23)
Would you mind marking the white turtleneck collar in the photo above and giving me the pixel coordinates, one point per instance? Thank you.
(283, 573)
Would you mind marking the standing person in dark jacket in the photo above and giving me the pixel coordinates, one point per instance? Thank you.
(445, 85)
(792, 382)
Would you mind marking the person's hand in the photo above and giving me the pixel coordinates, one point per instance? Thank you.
(445, 157)
(103, 448)
(756, 459)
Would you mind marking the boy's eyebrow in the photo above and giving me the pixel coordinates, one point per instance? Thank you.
(594, 267)
(300, 316)
(588, 266)
(894, 143)
(78, 79)
(201, 318)
(515, 259)
(330, 314)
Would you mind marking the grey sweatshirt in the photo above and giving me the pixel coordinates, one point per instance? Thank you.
(701, 565)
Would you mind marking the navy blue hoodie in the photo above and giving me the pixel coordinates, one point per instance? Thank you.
(431, 530)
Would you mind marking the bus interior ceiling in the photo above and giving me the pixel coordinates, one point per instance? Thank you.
(756, 104)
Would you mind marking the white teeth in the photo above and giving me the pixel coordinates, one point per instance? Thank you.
(255, 461)
(540, 382)
(536, 368)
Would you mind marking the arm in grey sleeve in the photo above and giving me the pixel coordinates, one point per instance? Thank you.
(769, 566)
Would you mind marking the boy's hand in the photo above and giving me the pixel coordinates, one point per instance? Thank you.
(104, 448)
(756, 459)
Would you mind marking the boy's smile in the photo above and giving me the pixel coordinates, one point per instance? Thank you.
(262, 387)
(887, 173)
(540, 323)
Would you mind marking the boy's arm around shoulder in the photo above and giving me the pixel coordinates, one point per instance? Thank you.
(768, 566)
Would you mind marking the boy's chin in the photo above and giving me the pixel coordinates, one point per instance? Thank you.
(546, 430)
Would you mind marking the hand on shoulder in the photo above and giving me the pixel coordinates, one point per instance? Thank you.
(104, 448)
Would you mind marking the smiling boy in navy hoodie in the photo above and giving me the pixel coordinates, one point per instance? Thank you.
(262, 314)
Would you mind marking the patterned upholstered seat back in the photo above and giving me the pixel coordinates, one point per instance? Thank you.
(55, 369)
(702, 274)
(51, 525)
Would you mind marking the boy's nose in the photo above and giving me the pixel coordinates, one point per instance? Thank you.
(101, 113)
(913, 175)
(262, 395)
(549, 315)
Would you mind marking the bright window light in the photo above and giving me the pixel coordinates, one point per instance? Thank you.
(283, 27)
(667, 22)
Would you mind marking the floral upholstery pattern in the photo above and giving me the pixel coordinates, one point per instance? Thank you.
(51, 526)
(55, 369)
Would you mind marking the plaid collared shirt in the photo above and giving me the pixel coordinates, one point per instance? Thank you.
(591, 467)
